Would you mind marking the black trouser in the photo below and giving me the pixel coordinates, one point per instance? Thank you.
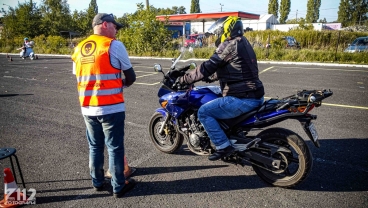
(24, 52)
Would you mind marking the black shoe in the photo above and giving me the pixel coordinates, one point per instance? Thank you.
(100, 188)
(222, 153)
(129, 184)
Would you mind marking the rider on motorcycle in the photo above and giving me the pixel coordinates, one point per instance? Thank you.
(27, 49)
(234, 64)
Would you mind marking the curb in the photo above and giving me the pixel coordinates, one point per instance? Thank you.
(260, 62)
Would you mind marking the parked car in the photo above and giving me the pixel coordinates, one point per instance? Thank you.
(290, 42)
(194, 40)
(358, 45)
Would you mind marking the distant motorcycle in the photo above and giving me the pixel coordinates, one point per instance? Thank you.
(279, 156)
(27, 52)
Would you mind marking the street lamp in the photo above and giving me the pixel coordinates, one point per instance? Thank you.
(221, 6)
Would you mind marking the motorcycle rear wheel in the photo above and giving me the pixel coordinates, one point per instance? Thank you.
(169, 140)
(297, 165)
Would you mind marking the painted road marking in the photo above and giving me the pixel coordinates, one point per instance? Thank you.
(345, 70)
(146, 75)
(147, 83)
(346, 106)
(266, 70)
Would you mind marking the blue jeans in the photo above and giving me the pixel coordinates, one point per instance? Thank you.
(224, 108)
(109, 130)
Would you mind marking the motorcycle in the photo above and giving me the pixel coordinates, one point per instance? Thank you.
(26, 52)
(279, 156)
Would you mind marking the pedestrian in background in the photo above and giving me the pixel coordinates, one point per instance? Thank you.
(97, 63)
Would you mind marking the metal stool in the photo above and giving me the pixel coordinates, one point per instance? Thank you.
(9, 152)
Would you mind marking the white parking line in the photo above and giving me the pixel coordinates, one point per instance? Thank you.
(147, 83)
(266, 70)
(327, 69)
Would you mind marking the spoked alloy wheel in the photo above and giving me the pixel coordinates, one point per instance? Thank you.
(294, 167)
(169, 140)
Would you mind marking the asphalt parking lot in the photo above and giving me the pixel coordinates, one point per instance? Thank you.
(40, 117)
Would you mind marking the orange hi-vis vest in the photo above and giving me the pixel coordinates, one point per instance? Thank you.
(99, 83)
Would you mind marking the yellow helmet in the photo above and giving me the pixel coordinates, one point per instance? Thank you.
(226, 28)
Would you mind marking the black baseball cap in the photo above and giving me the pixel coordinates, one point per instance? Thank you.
(103, 17)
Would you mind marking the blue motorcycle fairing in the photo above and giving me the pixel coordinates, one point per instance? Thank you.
(162, 111)
(164, 90)
(179, 101)
(262, 116)
(176, 103)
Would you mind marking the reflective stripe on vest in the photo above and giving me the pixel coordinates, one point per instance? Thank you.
(99, 83)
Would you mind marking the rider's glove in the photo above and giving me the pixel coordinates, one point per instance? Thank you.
(177, 83)
(209, 79)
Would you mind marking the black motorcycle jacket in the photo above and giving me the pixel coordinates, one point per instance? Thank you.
(234, 63)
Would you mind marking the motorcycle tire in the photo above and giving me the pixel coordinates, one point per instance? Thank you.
(170, 140)
(296, 165)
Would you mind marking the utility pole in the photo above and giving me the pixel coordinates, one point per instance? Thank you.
(296, 16)
(147, 4)
(221, 6)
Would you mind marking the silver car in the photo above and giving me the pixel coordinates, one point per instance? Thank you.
(358, 45)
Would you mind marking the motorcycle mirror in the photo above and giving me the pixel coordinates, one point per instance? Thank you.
(192, 66)
(157, 68)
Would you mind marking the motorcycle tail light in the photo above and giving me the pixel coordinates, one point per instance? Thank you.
(164, 104)
(301, 109)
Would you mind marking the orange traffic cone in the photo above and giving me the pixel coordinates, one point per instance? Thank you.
(11, 191)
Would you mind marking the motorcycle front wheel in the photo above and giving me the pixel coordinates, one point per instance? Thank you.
(295, 166)
(169, 140)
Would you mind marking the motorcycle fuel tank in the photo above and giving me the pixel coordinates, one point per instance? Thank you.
(178, 102)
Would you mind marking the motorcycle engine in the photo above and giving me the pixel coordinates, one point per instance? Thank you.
(196, 138)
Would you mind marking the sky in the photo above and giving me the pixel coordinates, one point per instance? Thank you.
(328, 9)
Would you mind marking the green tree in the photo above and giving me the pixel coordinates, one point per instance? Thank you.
(303, 25)
(313, 10)
(81, 23)
(273, 7)
(359, 9)
(23, 20)
(168, 11)
(56, 16)
(145, 35)
(322, 20)
(194, 7)
(86, 18)
(295, 21)
(284, 11)
(353, 12)
(344, 12)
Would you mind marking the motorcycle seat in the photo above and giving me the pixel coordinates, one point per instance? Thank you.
(266, 106)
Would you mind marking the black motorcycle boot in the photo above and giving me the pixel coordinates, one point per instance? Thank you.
(226, 152)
